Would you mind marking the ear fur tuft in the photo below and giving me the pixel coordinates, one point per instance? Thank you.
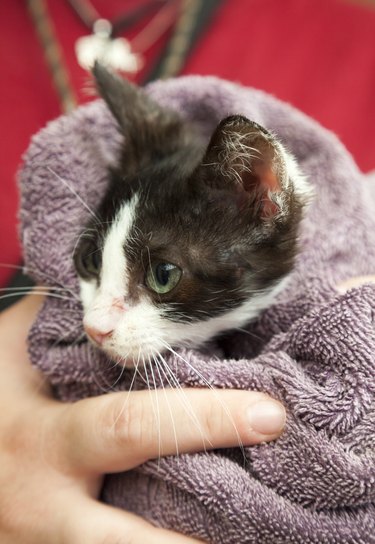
(244, 158)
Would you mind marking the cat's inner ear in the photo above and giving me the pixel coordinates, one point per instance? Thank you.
(149, 130)
(245, 159)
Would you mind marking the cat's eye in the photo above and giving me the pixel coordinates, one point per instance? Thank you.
(163, 277)
(93, 262)
(89, 261)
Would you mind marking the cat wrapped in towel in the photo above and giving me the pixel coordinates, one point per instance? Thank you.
(200, 229)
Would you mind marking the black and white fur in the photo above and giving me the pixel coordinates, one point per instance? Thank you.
(226, 216)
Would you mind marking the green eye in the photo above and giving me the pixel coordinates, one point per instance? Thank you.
(163, 277)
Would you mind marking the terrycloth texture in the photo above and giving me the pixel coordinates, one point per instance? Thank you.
(314, 348)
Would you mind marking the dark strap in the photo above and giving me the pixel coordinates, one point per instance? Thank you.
(53, 54)
(196, 17)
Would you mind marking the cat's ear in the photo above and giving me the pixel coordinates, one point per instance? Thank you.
(246, 160)
(149, 130)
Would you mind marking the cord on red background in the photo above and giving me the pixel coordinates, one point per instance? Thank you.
(317, 54)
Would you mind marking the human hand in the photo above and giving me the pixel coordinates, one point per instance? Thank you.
(53, 455)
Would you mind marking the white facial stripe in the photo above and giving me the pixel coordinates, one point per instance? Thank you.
(87, 290)
(114, 279)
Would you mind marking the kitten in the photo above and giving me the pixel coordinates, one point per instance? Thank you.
(193, 239)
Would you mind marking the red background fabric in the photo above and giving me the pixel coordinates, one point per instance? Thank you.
(317, 54)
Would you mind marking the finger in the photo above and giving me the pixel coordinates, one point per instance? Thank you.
(120, 431)
(101, 524)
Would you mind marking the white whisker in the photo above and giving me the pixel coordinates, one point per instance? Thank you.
(207, 383)
(184, 398)
(72, 190)
(122, 371)
(33, 292)
(157, 411)
(127, 396)
(169, 408)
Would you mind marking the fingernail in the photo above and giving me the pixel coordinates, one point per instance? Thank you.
(267, 417)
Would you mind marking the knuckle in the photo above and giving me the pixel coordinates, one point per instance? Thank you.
(215, 419)
(127, 425)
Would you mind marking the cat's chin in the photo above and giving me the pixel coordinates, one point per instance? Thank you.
(130, 361)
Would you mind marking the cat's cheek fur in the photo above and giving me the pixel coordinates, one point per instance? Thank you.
(195, 334)
(143, 332)
(87, 291)
(138, 333)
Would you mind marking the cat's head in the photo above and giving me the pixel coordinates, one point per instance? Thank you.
(192, 239)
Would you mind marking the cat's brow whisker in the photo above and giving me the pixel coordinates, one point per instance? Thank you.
(207, 383)
(72, 190)
(77, 231)
(152, 272)
(82, 235)
(253, 335)
(219, 291)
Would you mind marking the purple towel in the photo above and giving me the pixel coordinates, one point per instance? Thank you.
(314, 349)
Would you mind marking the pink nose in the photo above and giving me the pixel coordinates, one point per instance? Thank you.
(97, 336)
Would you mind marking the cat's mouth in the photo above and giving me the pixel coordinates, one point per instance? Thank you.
(128, 347)
(127, 362)
(135, 356)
